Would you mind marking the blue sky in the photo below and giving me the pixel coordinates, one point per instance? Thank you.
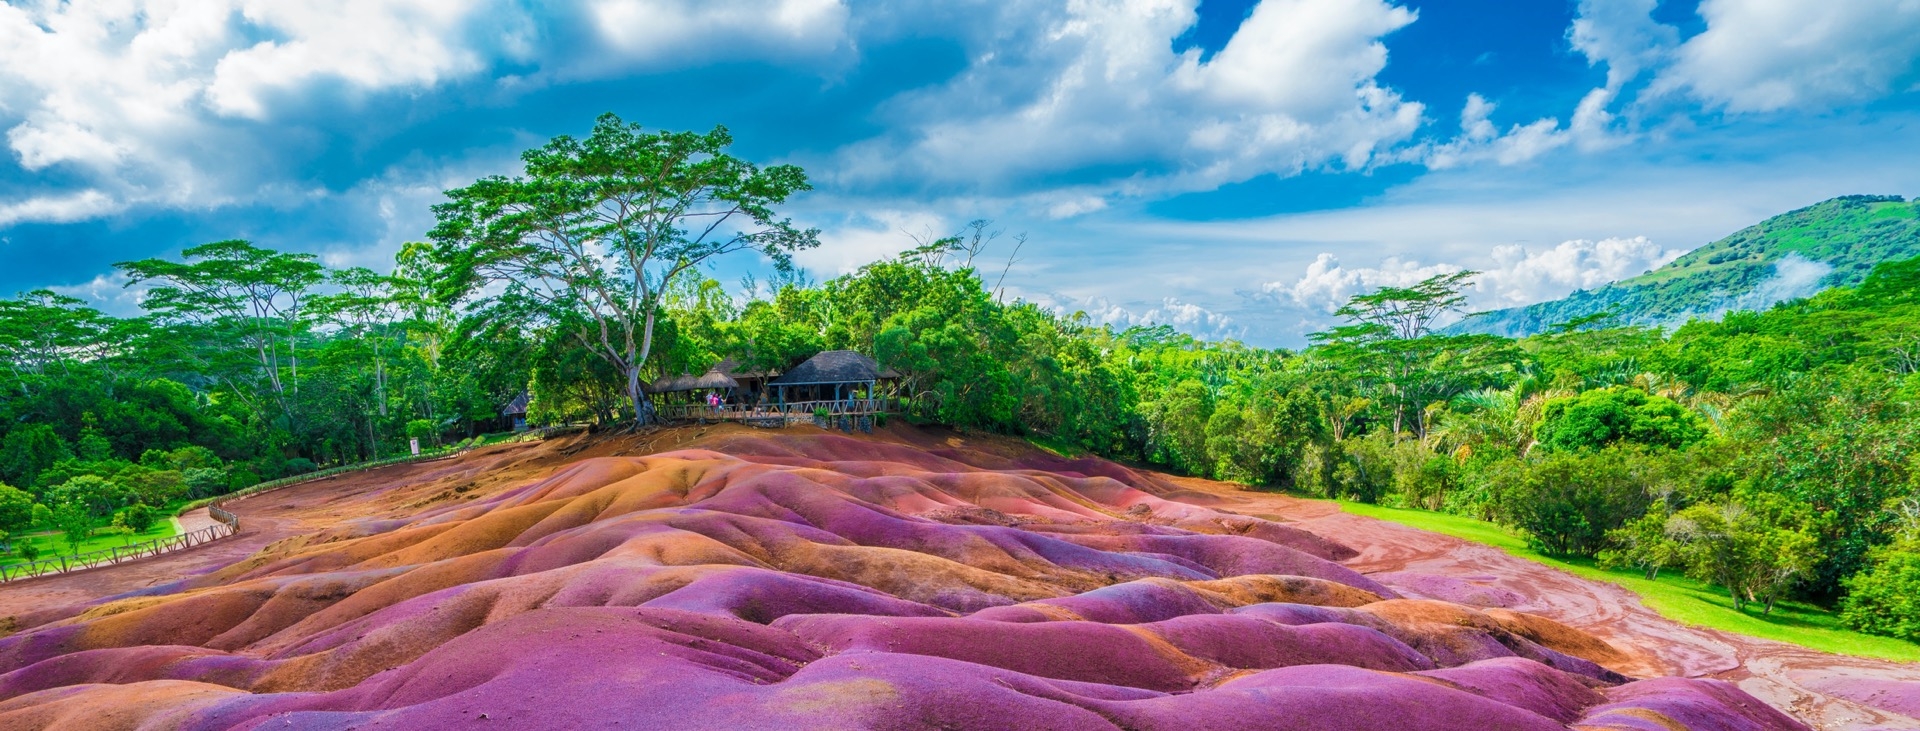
(1233, 167)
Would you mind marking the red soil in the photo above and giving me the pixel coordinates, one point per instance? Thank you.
(1828, 692)
(1133, 585)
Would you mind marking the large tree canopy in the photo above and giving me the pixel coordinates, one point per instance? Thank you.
(599, 228)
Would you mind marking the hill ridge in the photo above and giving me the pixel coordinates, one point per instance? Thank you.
(1833, 243)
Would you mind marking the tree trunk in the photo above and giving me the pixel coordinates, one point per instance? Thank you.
(643, 413)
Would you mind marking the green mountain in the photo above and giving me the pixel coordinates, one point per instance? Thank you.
(1795, 254)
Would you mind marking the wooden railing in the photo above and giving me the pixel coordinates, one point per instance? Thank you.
(767, 411)
(229, 524)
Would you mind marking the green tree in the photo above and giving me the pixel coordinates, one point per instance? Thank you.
(75, 522)
(1597, 418)
(137, 517)
(245, 303)
(16, 509)
(1739, 549)
(153, 487)
(1567, 503)
(1388, 347)
(1885, 598)
(28, 450)
(204, 482)
(97, 496)
(599, 228)
(1642, 544)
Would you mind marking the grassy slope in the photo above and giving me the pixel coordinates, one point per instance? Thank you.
(1851, 235)
(1674, 597)
(54, 545)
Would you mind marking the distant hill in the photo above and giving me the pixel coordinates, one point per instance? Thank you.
(1794, 254)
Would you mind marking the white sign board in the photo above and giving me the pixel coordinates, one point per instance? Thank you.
(416, 446)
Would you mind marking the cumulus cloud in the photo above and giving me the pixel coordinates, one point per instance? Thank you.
(370, 45)
(868, 237)
(1754, 56)
(1759, 55)
(1327, 285)
(1765, 55)
(1183, 316)
(1521, 277)
(1622, 35)
(57, 208)
(685, 30)
(1516, 276)
(1101, 88)
(203, 104)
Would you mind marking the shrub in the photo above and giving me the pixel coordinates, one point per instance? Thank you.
(1885, 598)
(242, 479)
(205, 482)
(299, 466)
(16, 509)
(192, 458)
(153, 487)
(1568, 502)
(137, 517)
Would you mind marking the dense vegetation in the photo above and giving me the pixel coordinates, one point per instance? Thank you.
(1834, 243)
(1769, 454)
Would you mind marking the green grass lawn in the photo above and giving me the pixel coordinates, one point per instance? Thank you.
(55, 544)
(1675, 597)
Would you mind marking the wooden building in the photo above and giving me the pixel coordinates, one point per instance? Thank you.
(834, 375)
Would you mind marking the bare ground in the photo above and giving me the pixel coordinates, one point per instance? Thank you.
(1829, 692)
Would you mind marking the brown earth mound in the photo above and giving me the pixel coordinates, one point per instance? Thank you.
(736, 578)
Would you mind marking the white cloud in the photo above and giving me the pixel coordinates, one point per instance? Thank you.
(1184, 316)
(1765, 55)
(1327, 285)
(1794, 276)
(1520, 277)
(869, 237)
(1623, 35)
(371, 45)
(1102, 88)
(1515, 277)
(697, 30)
(108, 293)
(57, 208)
(207, 103)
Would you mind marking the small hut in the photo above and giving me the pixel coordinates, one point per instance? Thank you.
(833, 375)
(516, 411)
(724, 376)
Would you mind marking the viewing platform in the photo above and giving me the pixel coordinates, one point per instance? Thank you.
(780, 414)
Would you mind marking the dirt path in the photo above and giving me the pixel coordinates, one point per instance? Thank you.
(1828, 692)
(265, 518)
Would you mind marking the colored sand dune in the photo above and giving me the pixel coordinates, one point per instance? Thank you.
(824, 582)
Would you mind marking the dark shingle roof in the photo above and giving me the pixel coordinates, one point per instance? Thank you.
(835, 366)
(516, 407)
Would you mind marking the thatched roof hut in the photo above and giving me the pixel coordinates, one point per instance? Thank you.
(835, 367)
(723, 375)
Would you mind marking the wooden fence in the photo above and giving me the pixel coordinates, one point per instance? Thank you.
(786, 413)
(228, 524)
